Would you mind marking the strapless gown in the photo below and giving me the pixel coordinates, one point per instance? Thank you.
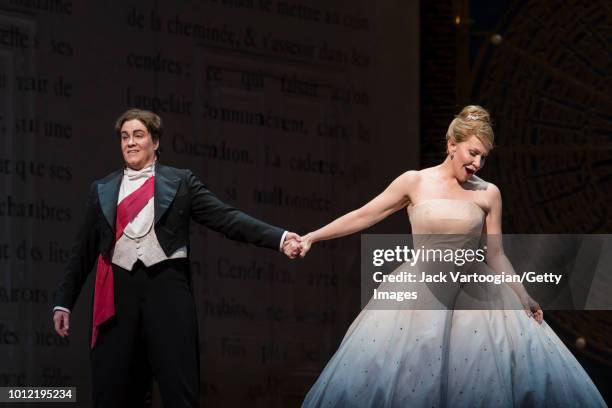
(452, 358)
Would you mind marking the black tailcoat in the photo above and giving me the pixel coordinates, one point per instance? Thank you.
(179, 197)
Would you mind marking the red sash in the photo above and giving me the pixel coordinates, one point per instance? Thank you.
(104, 294)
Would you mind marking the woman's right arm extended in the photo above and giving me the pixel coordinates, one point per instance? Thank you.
(395, 197)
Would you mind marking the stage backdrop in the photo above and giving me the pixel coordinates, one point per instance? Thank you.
(294, 111)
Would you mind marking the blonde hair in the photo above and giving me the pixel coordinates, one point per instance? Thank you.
(473, 120)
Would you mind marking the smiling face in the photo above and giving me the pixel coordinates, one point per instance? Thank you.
(137, 145)
(468, 157)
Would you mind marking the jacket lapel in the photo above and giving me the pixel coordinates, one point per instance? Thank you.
(166, 185)
(108, 194)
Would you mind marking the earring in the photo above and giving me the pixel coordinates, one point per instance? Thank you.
(452, 155)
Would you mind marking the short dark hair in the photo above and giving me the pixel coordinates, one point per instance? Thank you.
(152, 122)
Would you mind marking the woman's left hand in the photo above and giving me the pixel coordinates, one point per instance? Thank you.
(532, 309)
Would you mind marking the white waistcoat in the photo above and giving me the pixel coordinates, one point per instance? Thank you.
(139, 240)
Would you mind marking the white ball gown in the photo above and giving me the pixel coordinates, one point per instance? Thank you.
(445, 358)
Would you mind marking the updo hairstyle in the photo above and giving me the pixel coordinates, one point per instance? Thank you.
(473, 120)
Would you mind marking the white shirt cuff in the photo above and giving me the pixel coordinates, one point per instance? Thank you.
(60, 308)
(280, 247)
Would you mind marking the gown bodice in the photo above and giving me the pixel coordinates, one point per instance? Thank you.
(446, 216)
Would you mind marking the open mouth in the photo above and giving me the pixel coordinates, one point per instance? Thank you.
(470, 171)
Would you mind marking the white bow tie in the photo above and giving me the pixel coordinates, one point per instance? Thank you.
(138, 174)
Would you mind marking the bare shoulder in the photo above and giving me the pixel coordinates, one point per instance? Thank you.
(411, 176)
(409, 180)
(490, 196)
(478, 184)
(492, 193)
(406, 183)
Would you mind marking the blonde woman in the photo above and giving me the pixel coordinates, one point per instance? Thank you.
(499, 357)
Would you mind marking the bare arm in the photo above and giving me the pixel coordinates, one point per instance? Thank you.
(395, 197)
(496, 257)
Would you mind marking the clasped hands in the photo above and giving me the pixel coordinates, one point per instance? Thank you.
(295, 245)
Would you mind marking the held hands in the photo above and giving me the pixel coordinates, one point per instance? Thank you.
(532, 308)
(61, 320)
(295, 245)
(291, 245)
